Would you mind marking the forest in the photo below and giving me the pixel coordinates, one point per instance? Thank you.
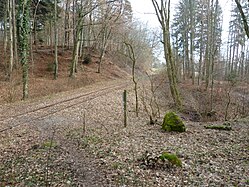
(93, 96)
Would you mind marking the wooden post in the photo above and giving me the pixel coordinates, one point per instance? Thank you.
(84, 122)
(125, 107)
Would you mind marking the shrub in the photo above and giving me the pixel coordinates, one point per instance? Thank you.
(87, 59)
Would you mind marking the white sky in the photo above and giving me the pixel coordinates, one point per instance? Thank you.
(144, 11)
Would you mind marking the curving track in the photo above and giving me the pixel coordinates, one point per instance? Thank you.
(12, 121)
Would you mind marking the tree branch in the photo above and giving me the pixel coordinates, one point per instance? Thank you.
(246, 27)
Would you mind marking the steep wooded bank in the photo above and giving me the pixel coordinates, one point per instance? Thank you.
(77, 26)
(41, 78)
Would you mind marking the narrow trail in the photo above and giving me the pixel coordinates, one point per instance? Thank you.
(57, 115)
(17, 118)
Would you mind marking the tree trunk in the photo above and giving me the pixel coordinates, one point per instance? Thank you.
(23, 35)
(244, 18)
(163, 15)
(75, 56)
(103, 46)
(186, 54)
(15, 49)
(201, 49)
(55, 41)
(77, 36)
(5, 38)
(66, 25)
(208, 46)
(132, 56)
(192, 41)
(11, 62)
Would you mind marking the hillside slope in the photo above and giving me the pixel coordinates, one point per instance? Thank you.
(41, 81)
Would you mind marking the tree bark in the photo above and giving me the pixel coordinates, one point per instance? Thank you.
(76, 46)
(5, 38)
(246, 27)
(11, 62)
(15, 49)
(208, 46)
(192, 41)
(163, 15)
(23, 35)
(67, 26)
(105, 36)
(132, 56)
(55, 41)
(201, 49)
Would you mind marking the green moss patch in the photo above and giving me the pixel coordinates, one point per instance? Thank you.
(172, 158)
(219, 127)
(172, 122)
(159, 161)
(49, 144)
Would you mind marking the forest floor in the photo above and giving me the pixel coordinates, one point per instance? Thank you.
(77, 137)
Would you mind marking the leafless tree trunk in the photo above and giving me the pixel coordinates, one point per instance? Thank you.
(67, 25)
(201, 49)
(11, 62)
(55, 41)
(246, 27)
(5, 38)
(163, 14)
(132, 57)
(192, 41)
(15, 49)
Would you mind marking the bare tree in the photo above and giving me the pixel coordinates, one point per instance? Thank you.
(162, 9)
(67, 25)
(23, 35)
(10, 8)
(55, 41)
(246, 27)
(110, 14)
(82, 12)
(15, 48)
(5, 44)
(132, 56)
(77, 35)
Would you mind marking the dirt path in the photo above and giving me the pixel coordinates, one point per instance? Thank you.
(30, 128)
(29, 112)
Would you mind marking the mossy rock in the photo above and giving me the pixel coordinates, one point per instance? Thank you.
(172, 158)
(172, 122)
(219, 127)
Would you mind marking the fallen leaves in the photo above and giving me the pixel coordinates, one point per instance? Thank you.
(102, 152)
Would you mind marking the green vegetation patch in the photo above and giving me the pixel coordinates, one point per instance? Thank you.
(219, 127)
(159, 161)
(49, 144)
(172, 122)
(172, 158)
(247, 182)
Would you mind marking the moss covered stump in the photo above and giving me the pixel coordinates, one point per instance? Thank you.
(172, 122)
